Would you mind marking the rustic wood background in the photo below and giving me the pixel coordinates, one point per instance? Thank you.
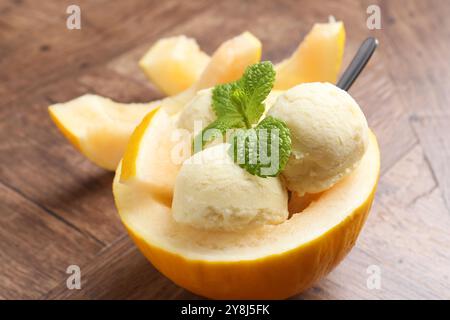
(56, 208)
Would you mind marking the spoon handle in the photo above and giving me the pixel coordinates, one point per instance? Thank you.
(358, 63)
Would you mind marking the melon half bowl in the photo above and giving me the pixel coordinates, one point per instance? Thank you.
(271, 262)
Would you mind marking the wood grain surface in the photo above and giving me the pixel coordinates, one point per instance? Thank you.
(56, 208)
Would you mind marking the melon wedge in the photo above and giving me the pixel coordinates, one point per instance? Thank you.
(174, 64)
(98, 127)
(317, 58)
(272, 262)
(147, 162)
(230, 60)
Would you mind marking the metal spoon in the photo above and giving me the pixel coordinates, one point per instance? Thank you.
(358, 63)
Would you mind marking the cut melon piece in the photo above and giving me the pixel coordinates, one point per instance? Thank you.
(98, 127)
(174, 64)
(147, 162)
(271, 262)
(230, 60)
(318, 58)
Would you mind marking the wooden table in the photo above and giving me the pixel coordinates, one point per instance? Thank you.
(56, 208)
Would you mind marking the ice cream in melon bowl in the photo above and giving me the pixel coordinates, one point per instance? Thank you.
(252, 180)
(262, 201)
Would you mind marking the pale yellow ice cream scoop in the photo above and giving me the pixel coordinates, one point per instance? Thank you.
(212, 192)
(329, 135)
(199, 109)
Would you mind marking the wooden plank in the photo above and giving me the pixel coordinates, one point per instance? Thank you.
(102, 37)
(55, 202)
(376, 94)
(117, 87)
(37, 160)
(434, 134)
(417, 53)
(121, 272)
(36, 247)
(422, 75)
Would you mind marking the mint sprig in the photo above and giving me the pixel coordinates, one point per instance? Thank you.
(263, 150)
(241, 102)
(240, 105)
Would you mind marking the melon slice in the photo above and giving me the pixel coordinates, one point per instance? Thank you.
(147, 162)
(98, 127)
(230, 60)
(318, 58)
(271, 262)
(174, 64)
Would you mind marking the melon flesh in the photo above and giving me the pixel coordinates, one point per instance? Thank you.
(99, 127)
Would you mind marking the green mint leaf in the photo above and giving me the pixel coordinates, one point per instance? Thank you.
(256, 84)
(263, 150)
(278, 136)
(244, 98)
(239, 104)
(223, 105)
